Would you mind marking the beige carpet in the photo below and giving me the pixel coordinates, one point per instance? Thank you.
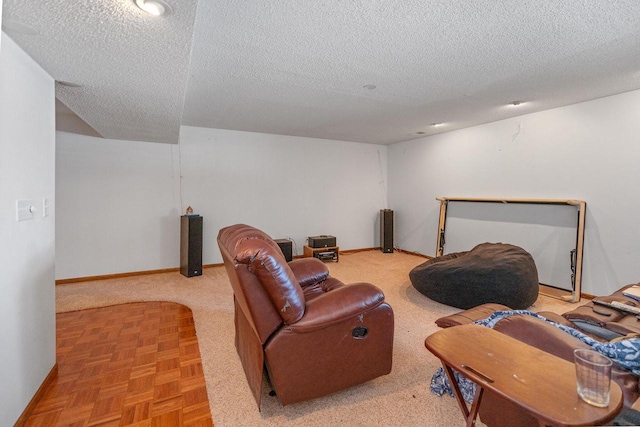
(401, 398)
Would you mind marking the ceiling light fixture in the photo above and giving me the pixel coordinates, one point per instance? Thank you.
(435, 125)
(516, 103)
(153, 7)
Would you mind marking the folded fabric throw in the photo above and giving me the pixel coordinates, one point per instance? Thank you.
(625, 353)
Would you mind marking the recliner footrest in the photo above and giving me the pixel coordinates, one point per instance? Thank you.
(470, 315)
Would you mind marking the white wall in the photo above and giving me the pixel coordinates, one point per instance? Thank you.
(119, 202)
(27, 248)
(587, 151)
(288, 186)
(117, 206)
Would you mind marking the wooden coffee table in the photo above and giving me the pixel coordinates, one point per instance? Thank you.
(540, 383)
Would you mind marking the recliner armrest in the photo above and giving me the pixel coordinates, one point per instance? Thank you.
(309, 271)
(540, 334)
(558, 318)
(337, 306)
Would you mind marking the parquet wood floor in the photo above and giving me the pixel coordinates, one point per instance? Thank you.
(126, 365)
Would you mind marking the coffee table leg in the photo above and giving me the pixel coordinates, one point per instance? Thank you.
(470, 415)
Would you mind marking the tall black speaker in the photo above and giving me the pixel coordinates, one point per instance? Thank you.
(386, 230)
(191, 245)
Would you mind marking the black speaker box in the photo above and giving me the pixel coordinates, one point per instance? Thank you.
(322, 241)
(386, 230)
(286, 246)
(191, 245)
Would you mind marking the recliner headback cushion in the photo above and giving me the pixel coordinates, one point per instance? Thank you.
(233, 236)
(266, 261)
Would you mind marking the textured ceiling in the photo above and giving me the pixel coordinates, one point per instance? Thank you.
(300, 67)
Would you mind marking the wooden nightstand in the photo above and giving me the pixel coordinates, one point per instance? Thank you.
(329, 253)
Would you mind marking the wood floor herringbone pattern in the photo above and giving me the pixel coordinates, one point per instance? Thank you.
(132, 364)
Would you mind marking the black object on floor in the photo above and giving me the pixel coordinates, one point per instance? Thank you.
(489, 273)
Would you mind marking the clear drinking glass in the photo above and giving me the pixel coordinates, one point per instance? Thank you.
(593, 372)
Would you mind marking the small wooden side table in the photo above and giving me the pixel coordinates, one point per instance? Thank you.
(329, 253)
(540, 383)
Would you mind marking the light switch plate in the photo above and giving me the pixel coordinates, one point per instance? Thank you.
(25, 210)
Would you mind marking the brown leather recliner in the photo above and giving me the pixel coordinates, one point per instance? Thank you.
(313, 334)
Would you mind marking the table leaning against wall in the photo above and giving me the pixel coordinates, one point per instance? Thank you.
(576, 253)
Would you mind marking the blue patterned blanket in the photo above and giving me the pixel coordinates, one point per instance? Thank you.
(625, 353)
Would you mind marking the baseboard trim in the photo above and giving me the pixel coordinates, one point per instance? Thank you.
(378, 248)
(413, 253)
(36, 397)
(127, 274)
(355, 251)
(177, 269)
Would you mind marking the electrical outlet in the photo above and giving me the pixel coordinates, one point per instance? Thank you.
(25, 210)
